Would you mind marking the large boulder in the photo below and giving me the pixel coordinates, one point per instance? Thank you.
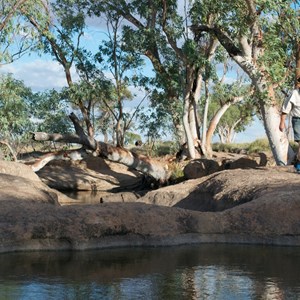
(201, 167)
(92, 173)
(225, 189)
(19, 188)
(19, 182)
(17, 169)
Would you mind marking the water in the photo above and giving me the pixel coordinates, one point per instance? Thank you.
(186, 272)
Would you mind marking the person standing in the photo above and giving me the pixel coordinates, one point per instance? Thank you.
(291, 106)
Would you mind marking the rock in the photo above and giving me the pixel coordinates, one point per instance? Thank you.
(18, 181)
(93, 173)
(258, 206)
(198, 168)
(242, 163)
(98, 197)
(19, 188)
(17, 169)
(119, 197)
(171, 195)
(201, 167)
(224, 190)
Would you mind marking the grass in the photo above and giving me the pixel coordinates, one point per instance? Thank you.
(259, 145)
(176, 170)
(170, 148)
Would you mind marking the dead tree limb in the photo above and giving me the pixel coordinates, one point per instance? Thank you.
(144, 164)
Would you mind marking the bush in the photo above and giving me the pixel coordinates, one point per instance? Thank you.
(176, 170)
(259, 145)
(159, 148)
(229, 148)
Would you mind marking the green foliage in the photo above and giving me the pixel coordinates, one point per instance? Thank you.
(155, 124)
(274, 58)
(158, 148)
(176, 170)
(131, 138)
(238, 115)
(17, 36)
(14, 108)
(90, 93)
(62, 38)
(239, 111)
(125, 66)
(166, 148)
(259, 145)
(49, 112)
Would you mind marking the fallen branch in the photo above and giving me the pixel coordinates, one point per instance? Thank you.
(144, 164)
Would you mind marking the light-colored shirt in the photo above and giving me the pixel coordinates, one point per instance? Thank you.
(292, 104)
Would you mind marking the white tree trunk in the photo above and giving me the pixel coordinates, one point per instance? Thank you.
(186, 125)
(186, 112)
(194, 108)
(278, 140)
(212, 126)
(192, 122)
(205, 116)
(246, 56)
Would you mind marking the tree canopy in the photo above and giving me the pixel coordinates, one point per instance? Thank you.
(186, 44)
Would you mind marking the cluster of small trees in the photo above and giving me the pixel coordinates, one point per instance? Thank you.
(193, 47)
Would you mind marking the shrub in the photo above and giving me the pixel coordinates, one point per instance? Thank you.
(259, 145)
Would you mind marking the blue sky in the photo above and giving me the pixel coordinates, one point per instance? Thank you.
(252, 133)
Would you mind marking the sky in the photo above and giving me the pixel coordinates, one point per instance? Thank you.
(42, 73)
(252, 133)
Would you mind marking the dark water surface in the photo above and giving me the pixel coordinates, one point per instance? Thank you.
(186, 272)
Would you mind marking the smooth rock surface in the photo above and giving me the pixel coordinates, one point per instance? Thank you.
(92, 173)
(235, 206)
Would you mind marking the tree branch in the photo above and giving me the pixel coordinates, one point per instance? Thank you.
(11, 13)
(146, 165)
(223, 38)
(171, 41)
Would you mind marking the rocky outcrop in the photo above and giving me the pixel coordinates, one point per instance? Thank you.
(226, 189)
(15, 188)
(19, 182)
(17, 169)
(202, 167)
(234, 206)
(92, 173)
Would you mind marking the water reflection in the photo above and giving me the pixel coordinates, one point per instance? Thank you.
(198, 272)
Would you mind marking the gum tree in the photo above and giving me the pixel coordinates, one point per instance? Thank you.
(231, 109)
(59, 32)
(16, 37)
(61, 39)
(256, 36)
(14, 111)
(124, 67)
(159, 30)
